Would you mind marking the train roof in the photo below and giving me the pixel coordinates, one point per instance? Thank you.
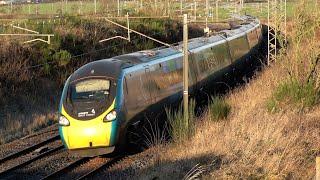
(153, 54)
(102, 68)
(115, 64)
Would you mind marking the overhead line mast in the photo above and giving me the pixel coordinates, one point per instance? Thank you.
(277, 27)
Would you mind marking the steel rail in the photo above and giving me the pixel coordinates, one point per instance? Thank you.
(66, 168)
(28, 149)
(38, 133)
(103, 165)
(7, 171)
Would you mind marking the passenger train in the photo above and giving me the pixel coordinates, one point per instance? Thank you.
(103, 99)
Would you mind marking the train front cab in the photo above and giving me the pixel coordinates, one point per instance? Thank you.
(88, 115)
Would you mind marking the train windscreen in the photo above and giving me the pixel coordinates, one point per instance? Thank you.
(89, 98)
(91, 89)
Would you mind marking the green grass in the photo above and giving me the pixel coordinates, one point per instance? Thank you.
(293, 93)
(180, 129)
(218, 109)
(261, 11)
(72, 7)
(87, 7)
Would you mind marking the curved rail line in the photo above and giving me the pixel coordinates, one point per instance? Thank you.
(39, 133)
(67, 168)
(28, 149)
(107, 164)
(7, 171)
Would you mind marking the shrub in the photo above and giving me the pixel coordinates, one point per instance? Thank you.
(295, 93)
(303, 57)
(301, 61)
(218, 109)
(62, 57)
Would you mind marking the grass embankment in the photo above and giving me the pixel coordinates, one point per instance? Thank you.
(31, 75)
(273, 129)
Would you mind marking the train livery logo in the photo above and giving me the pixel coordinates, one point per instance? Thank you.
(87, 114)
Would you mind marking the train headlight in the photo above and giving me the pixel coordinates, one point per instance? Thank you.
(63, 121)
(111, 116)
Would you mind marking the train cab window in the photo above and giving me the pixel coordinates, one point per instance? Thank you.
(92, 89)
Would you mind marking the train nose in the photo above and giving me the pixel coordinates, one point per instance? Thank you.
(86, 135)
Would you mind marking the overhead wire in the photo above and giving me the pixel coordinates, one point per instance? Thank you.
(83, 54)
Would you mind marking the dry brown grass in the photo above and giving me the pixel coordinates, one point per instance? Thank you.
(18, 125)
(252, 143)
(23, 109)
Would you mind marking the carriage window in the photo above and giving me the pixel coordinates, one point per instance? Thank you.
(238, 47)
(252, 38)
(170, 74)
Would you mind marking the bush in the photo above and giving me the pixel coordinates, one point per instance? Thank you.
(218, 109)
(180, 129)
(62, 57)
(292, 92)
(301, 61)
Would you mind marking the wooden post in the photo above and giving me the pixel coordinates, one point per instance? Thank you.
(128, 26)
(168, 7)
(317, 168)
(95, 6)
(217, 11)
(61, 6)
(195, 10)
(260, 7)
(185, 70)
(118, 7)
(212, 10)
(207, 8)
(181, 7)
(37, 8)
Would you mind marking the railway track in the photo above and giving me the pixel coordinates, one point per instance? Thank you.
(64, 170)
(28, 149)
(82, 168)
(99, 168)
(31, 156)
(68, 171)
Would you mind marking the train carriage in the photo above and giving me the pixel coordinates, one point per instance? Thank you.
(103, 99)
